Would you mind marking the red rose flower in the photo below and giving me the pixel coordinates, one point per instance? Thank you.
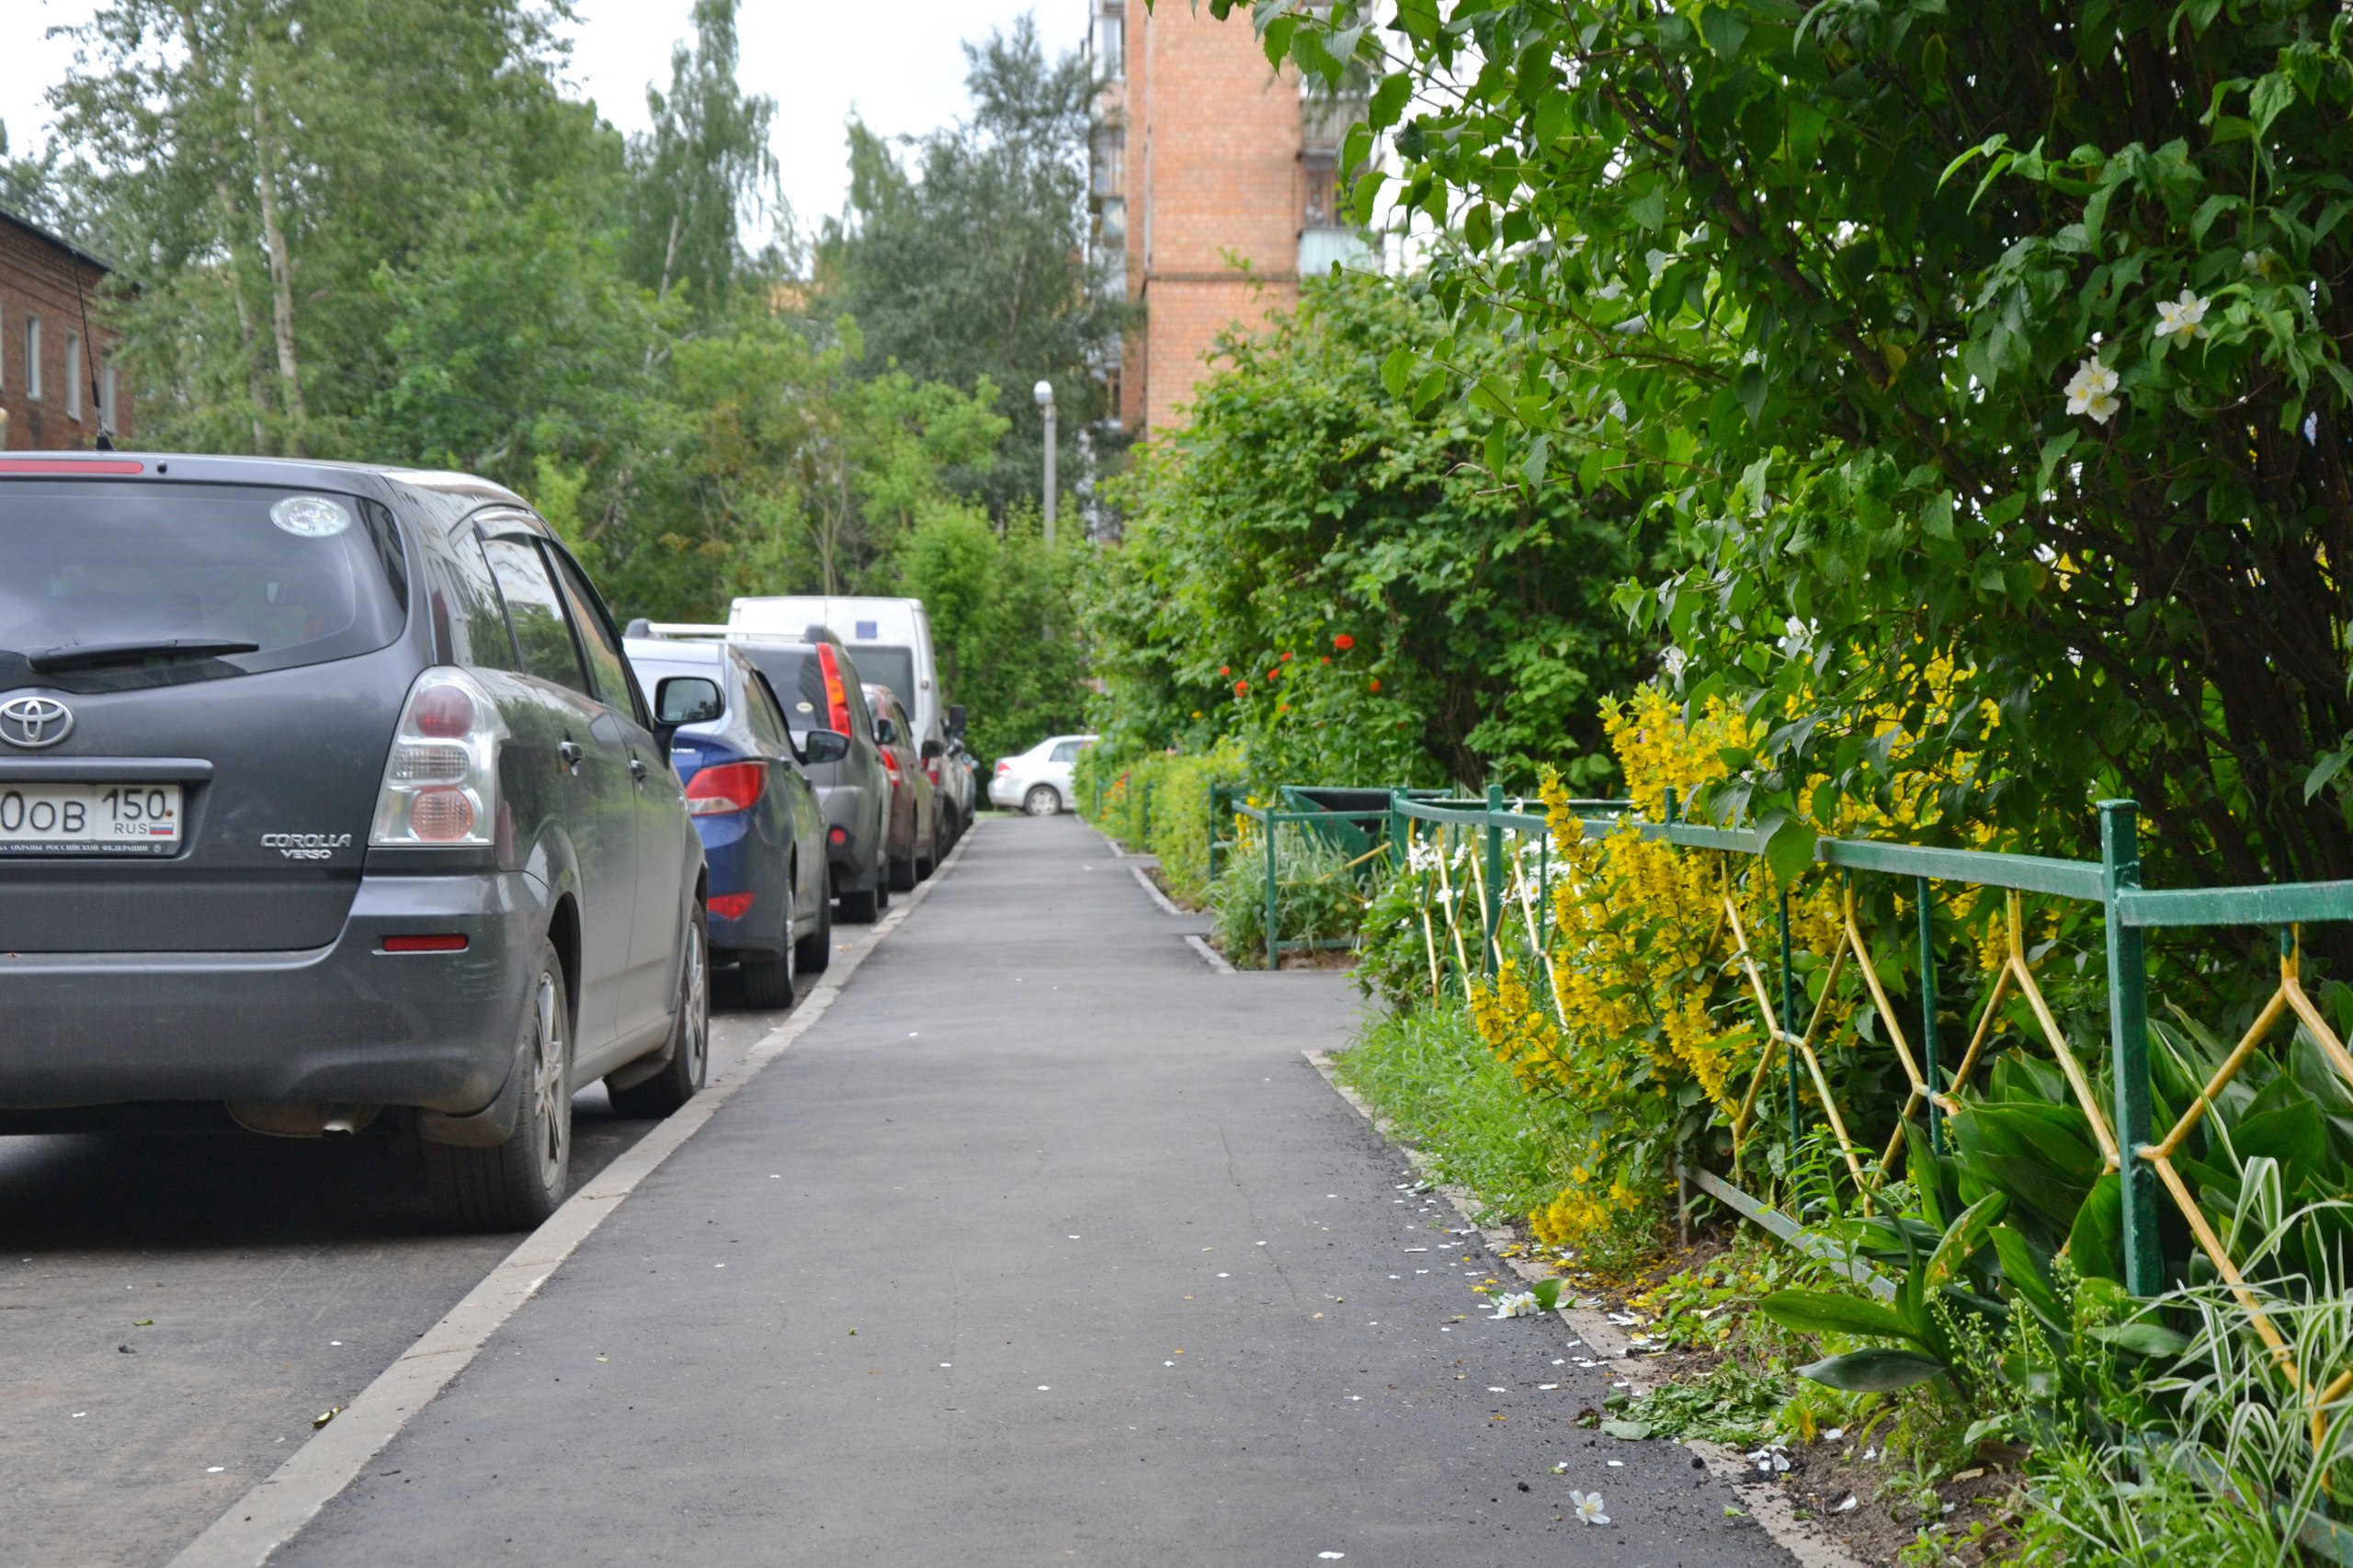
(1241, 688)
(1325, 660)
(1344, 642)
(1375, 686)
(1275, 674)
(1223, 670)
(1285, 658)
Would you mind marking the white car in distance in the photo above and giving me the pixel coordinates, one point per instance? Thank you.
(1039, 781)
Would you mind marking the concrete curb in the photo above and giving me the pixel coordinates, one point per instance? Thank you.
(1151, 891)
(277, 1508)
(1209, 955)
(1768, 1504)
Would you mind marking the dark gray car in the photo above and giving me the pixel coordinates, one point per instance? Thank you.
(817, 682)
(326, 794)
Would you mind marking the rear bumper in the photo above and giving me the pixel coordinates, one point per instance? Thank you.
(1007, 789)
(846, 808)
(345, 1023)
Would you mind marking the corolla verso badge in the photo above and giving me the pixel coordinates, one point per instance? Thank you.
(309, 517)
(33, 723)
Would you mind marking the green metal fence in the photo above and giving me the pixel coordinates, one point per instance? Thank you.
(2131, 1146)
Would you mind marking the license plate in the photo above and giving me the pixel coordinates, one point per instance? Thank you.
(89, 818)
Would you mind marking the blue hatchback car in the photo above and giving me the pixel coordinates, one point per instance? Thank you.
(763, 831)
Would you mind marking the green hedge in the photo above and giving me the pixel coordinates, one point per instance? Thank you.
(1159, 804)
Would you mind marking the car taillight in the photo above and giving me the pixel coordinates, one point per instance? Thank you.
(836, 694)
(931, 769)
(730, 905)
(891, 766)
(441, 781)
(1004, 767)
(729, 787)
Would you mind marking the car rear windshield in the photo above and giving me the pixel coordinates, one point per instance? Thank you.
(795, 678)
(885, 665)
(104, 587)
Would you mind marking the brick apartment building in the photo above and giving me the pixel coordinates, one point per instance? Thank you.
(1208, 158)
(57, 390)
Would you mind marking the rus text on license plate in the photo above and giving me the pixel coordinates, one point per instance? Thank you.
(89, 818)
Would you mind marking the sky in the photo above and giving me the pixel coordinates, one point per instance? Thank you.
(901, 66)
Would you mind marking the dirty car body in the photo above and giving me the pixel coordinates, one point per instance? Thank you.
(332, 757)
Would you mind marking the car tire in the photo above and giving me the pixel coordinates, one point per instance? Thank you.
(862, 906)
(770, 985)
(681, 1077)
(1043, 802)
(904, 874)
(814, 951)
(516, 1185)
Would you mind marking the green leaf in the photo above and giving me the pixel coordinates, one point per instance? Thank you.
(2028, 1280)
(2095, 1242)
(1725, 31)
(1389, 100)
(1788, 849)
(1873, 1371)
(1479, 227)
(1750, 387)
(2330, 764)
(2142, 1339)
(2272, 95)
(1547, 1293)
(1397, 370)
(1827, 1311)
(1632, 1431)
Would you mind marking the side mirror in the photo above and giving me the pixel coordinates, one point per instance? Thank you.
(687, 699)
(955, 720)
(824, 745)
(932, 748)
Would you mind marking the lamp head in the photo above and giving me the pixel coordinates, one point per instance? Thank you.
(1044, 393)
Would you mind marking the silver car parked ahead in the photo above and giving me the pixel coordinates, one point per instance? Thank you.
(1039, 781)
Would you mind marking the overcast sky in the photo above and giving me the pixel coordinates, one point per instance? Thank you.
(901, 66)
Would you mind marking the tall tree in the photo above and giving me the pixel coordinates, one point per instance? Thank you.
(970, 259)
(254, 163)
(703, 171)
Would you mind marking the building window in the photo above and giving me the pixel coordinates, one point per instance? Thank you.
(1321, 209)
(1111, 41)
(32, 359)
(109, 420)
(74, 376)
(1110, 160)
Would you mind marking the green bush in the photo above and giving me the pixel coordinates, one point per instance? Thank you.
(1159, 803)
(1315, 893)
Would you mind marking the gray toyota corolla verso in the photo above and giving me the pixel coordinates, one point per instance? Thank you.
(325, 795)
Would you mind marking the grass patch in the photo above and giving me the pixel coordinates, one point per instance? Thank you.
(1430, 1074)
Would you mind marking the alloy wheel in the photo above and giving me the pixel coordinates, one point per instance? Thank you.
(550, 1094)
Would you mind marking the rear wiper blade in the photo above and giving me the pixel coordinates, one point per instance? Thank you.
(92, 655)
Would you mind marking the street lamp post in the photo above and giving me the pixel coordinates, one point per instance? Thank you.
(1044, 393)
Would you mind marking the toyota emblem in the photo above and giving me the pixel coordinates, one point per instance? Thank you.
(33, 723)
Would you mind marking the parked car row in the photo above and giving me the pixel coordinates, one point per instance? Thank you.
(332, 794)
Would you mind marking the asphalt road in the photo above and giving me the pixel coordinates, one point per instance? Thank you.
(175, 1310)
(1045, 1245)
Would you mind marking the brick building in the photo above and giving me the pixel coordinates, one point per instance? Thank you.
(1210, 161)
(56, 390)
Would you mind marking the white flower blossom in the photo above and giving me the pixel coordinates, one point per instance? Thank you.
(1518, 1305)
(2091, 389)
(2184, 318)
(1588, 1506)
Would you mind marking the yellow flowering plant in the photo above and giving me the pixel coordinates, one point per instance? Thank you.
(1640, 1006)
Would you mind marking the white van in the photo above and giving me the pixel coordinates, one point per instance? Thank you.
(888, 638)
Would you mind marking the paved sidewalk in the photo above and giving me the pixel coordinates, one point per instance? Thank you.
(1045, 1245)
